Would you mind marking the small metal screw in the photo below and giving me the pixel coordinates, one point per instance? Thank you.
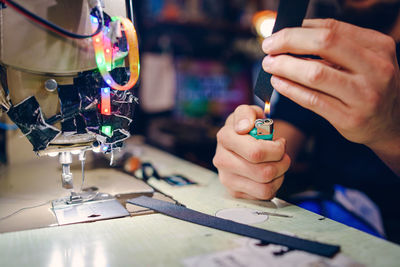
(50, 85)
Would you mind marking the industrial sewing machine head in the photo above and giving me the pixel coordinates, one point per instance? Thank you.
(67, 92)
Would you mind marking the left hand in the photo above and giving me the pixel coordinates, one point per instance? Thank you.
(356, 86)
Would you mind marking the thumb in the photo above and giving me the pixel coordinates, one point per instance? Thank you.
(244, 117)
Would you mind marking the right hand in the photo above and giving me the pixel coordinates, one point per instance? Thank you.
(247, 167)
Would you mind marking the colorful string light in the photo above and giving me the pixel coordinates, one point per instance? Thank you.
(107, 130)
(103, 53)
(105, 101)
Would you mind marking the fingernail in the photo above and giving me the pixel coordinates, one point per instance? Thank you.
(275, 80)
(266, 45)
(242, 125)
(267, 62)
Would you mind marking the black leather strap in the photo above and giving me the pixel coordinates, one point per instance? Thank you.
(196, 217)
(290, 14)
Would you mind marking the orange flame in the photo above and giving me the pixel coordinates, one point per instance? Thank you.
(267, 108)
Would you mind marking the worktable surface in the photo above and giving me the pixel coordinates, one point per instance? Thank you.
(158, 240)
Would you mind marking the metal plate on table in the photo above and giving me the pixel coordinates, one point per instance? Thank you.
(90, 211)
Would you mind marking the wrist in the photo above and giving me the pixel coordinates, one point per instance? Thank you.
(388, 150)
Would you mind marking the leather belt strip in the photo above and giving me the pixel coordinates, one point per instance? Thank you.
(196, 217)
(290, 14)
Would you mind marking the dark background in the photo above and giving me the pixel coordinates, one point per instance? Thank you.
(215, 56)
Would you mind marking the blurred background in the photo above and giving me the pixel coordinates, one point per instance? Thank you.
(199, 59)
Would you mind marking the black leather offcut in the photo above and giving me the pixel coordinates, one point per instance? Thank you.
(196, 217)
(290, 14)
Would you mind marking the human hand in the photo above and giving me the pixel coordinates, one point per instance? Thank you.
(356, 86)
(249, 168)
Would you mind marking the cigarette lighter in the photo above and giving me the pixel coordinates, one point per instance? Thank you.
(263, 129)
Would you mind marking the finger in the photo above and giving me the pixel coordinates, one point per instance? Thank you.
(324, 105)
(325, 43)
(237, 194)
(244, 117)
(367, 38)
(257, 190)
(261, 172)
(249, 148)
(311, 73)
(229, 120)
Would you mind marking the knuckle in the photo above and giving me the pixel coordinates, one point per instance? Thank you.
(256, 155)
(268, 173)
(235, 194)
(288, 162)
(316, 74)
(390, 44)
(357, 120)
(284, 36)
(373, 99)
(313, 99)
(217, 161)
(266, 193)
(224, 180)
(330, 23)
(281, 148)
(220, 135)
(326, 38)
(388, 71)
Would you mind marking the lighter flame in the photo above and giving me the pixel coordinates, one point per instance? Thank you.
(267, 108)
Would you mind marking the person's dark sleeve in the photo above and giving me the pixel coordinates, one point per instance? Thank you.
(285, 109)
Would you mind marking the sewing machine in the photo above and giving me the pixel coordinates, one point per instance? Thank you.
(64, 82)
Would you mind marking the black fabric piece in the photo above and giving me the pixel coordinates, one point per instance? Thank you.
(88, 85)
(120, 126)
(80, 124)
(3, 79)
(118, 122)
(263, 88)
(72, 121)
(92, 119)
(290, 14)
(118, 135)
(196, 217)
(28, 116)
(68, 125)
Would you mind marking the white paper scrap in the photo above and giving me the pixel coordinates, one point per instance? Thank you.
(251, 254)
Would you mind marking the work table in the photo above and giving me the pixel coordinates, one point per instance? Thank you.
(155, 239)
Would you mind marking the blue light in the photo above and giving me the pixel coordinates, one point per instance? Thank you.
(94, 20)
(105, 148)
(106, 90)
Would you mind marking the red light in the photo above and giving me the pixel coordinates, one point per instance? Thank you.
(105, 101)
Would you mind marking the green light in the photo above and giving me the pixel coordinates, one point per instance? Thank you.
(99, 60)
(106, 129)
